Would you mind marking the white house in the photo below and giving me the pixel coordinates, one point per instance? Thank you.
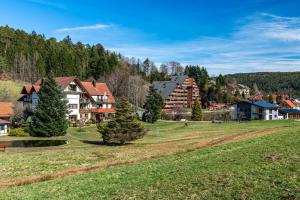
(102, 102)
(255, 110)
(88, 100)
(3, 127)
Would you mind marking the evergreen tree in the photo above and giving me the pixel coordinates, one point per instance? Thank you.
(197, 111)
(49, 118)
(146, 67)
(124, 127)
(220, 81)
(153, 105)
(270, 98)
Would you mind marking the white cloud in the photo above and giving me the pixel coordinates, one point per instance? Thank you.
(48, 4)
(81, 28)
(262, 42)
(273, 27)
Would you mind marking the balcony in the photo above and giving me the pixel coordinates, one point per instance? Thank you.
(84, 111)
(84, 101)
(101, 100)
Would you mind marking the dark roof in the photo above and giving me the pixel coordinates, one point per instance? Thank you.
(165, 88)
(262, 104)
(179, 79)
(290, 111)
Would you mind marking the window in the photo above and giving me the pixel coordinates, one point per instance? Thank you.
(1, 127)
(72, 87)
(73, 118)
(73, 106)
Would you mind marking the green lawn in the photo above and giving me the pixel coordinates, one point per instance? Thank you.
(257, 160)
(10, 90)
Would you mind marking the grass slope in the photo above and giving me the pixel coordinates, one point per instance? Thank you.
(262, 168)
(85, 150)
(10, 90)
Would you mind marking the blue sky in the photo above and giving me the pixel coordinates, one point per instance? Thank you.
(223, 36)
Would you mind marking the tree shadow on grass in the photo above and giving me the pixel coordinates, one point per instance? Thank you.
(101, 143)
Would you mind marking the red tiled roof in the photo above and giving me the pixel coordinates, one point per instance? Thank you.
(63, 82)
(4, 121)
(289, 103)
(35, 88)
(98, 90)
(6, 109)
(257, 97)
(104, 110)
(91, 90)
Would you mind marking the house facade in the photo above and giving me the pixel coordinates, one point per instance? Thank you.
(256, 110)
(290, 113)
(3, 127)
(80, 100)
(98, 103)
(179, 92)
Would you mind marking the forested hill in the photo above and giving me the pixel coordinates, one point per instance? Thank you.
(288, 82)
(30, 56)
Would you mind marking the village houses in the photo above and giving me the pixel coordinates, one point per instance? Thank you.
(86, 100)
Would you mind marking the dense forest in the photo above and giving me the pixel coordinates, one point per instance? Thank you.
(28, 57)
(270, 82)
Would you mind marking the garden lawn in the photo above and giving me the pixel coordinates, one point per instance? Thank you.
(265, 167)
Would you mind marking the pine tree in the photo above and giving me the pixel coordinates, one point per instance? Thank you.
(270, 98)
(153, 105)
(124, 127)
(197, 111)
(49, 118)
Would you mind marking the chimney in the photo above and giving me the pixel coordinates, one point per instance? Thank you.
(94, 82)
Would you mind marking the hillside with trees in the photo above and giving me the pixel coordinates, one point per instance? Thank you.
(28, 57)
(271, 82)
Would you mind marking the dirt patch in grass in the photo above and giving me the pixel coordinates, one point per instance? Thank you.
(165, 148)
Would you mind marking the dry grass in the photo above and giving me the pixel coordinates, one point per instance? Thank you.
(135, 153)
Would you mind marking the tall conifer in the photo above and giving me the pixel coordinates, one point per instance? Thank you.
(153, 105)
(197, 111)
(49, 118)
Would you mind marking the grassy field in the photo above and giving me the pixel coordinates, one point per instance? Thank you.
(258, 160)
(10, 90)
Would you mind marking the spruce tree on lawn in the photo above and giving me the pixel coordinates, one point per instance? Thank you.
(49, 118)
(124, 127)
(197, 111)
(153, 105)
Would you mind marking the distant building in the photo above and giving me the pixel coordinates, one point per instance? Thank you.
(240, 88)
(6, 110)
(256, 110)
(88, 100)
(179, 92)
(216, 106)
(290, 113)
(288, 104)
